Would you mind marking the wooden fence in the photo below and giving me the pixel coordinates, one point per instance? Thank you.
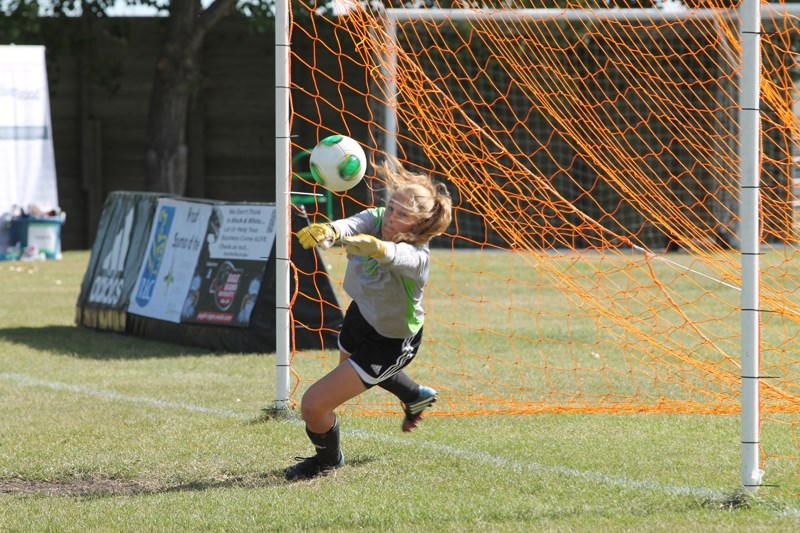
(100, 94)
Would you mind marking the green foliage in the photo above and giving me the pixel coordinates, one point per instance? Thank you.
(260, 14)
(20, 23)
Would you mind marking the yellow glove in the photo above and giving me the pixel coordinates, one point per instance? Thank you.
(322, 235)
(364, 244)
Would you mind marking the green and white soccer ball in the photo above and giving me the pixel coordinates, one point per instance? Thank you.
(338, 163)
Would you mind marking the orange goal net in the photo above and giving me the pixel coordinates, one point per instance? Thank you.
(593, 263)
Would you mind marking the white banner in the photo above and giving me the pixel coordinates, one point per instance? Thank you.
(246, 232)
(27, 160)
(177, 238)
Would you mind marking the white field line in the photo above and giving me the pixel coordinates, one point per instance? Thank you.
(27, 381)
(522, 466)
(484, 457)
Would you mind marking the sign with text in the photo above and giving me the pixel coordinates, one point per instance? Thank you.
(176, 241)
(245, 232)
(204, 262)
(228, 276)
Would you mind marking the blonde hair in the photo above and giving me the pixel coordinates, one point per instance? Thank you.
(427, 201)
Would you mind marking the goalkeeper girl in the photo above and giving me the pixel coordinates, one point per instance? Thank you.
(387, 267)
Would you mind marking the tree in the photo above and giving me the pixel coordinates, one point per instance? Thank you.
(176, 74)
(177, 71)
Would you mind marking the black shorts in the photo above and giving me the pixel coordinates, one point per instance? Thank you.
(373, 356)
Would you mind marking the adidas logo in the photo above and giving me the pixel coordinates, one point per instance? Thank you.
(107, 285)
(376, 368)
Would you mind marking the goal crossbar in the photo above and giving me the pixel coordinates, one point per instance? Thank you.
(626, 14)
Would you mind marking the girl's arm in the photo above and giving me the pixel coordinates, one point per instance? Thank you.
(405, 259)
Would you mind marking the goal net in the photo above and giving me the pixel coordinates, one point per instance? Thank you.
(593, 156)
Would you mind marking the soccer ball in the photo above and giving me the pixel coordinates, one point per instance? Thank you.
(338, 163)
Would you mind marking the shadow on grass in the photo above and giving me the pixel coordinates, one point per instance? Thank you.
(73, 341)
(102, 486)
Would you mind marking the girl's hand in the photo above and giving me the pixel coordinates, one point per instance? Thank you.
(365, 245)
(322, 235)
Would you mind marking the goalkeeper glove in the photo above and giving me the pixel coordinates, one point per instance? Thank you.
(367, 245)
(322, 235)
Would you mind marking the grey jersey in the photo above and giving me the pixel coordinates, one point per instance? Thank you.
(388, 291)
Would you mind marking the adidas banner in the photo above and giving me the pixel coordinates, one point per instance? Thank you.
(117, 254)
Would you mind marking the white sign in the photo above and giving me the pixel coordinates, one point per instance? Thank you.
(27, 160)
(177, 238)
(246, 232)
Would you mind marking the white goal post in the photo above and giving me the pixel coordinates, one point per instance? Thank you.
(283, 229)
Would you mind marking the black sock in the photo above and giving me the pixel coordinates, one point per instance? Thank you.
(401, 386)
(327, 444)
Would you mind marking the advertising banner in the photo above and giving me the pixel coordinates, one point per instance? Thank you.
(228, 277)
(117, 252)
(176, 240)
(204, 262)
(200, 273)
(27, 157)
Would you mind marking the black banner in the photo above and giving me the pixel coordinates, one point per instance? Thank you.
(117, 253)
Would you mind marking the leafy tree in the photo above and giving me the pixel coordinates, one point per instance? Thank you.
(176, 73)
(19, 20)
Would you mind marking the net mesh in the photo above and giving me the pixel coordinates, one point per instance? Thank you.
(592, 264)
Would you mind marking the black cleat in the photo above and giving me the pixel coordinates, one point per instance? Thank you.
(310, 467)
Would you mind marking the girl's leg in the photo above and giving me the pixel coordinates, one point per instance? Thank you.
(402, 386)
(322, 427)
(319, 401)
(415, 398)
(332, 390)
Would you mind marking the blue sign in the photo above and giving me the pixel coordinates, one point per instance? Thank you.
(155, 255)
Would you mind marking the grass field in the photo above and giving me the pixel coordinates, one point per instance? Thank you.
(103, 432)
